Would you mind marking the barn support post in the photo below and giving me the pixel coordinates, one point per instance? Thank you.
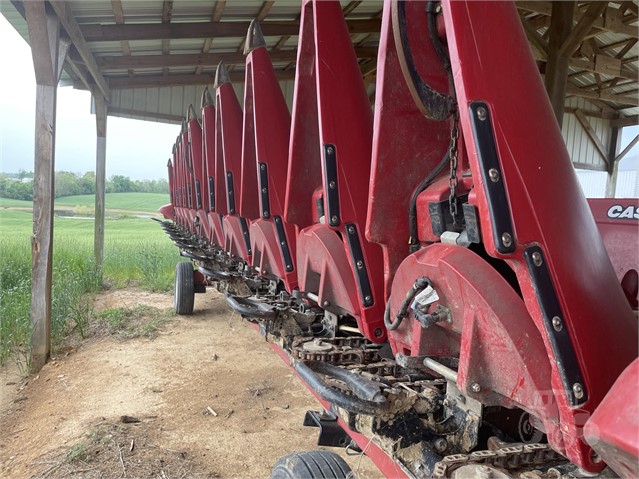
(48, 52)
(613, 164)
(558, 61)
(100, 179)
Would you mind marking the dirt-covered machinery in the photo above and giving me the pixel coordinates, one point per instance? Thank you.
(429, 267)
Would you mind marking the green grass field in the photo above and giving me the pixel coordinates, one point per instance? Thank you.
(136, 252)
(149, 202)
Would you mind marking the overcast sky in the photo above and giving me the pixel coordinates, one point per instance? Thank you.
(137, 149)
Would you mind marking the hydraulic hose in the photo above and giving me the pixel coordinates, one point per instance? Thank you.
(419, 285)
(367, 399)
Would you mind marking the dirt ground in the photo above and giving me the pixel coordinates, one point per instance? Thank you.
(211, 397)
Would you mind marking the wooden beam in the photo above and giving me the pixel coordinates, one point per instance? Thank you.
(601, 24)
(627, 149)
(167, 10)
(618, 99)
(100, 179)
(588, 166)
(157, 81)
(592, 135)
(118, 12)
(348, 9)
(164, 117)
(612, 169)
(159, 31)
(557, 65)
(216, 17)
(48, 55)
(107, 63)
(579, 32)
(625, 121)
(73, 30)
(535, 38)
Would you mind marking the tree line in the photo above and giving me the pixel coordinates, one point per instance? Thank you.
(19, 186)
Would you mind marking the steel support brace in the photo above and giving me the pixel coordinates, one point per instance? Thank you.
(331, 433)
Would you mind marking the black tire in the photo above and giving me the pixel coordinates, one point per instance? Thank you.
(311, 465)
(184, 289)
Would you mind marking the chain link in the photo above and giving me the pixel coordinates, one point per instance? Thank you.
(509, 458)
(452, 179)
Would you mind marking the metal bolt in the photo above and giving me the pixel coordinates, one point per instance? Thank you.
(482, 113)
(475, 388)
(368, 299)
(557, 324)
(264, 190)
(360, 264)
(283, 243)
(351, 230)
(378, 332)
(262, 166)
(494, 175)
(265, 214)
(263, 271)
(288, 266)
(537, 259)
(578, 390)
(441, 444)
(228, 174)
(326, 304)
(277, 219)
(332, 185)
(506, 239)
(334, 219)
(330, 150)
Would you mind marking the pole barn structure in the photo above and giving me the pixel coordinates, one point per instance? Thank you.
(150, 60)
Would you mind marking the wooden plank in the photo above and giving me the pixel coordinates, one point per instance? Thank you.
(592, 135)
(625, 121)
(159, 31)
(164, 117)
(100, 179)
(610, 66)
(613, 166)
(535, 38)
(73, 31)
(627, 149)
(107, 63)
(157, 81)
(594, 95)
(118, 13)
(588, 166)
(579, 32)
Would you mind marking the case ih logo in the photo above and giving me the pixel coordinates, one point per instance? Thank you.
(623, 212)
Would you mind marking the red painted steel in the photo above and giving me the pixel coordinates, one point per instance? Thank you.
(613, 429)
(618, 223)
(200, 202)
(228, 153)
(330, 90)
(266, 132)
(548, 207)
(406, 145)
(216, 234)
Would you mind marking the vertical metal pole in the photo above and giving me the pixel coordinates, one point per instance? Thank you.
(100, 180)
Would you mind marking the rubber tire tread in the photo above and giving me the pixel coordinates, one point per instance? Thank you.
(184, 300)
(311, 465)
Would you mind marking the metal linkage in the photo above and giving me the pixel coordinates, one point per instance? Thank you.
(343, 351)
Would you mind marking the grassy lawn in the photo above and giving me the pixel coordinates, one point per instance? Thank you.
(150, 202)
(137, 252)
(9, 203)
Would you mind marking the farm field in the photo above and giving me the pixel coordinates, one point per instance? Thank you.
(137, 252)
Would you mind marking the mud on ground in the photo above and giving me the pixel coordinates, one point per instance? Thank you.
(204, 397)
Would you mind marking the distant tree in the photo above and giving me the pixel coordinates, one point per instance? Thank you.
(87, 183)
(67, 184)
(120, 184)
(15, 189)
